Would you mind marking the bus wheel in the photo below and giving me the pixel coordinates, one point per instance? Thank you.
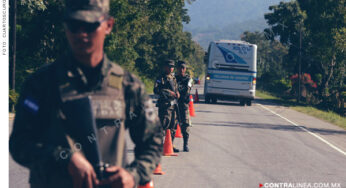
(249, 102)
(242, 103)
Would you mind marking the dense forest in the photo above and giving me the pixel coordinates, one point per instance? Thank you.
(145, 33)
(307, 36)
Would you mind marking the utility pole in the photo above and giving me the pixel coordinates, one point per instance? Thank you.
(300, 64)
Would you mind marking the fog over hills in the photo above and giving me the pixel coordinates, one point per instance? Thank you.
(226, 19)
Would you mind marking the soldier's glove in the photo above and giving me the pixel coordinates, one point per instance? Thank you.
(119, 178)
(82, 172)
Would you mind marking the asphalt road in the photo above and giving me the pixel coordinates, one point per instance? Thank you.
(18, 176)
(236, 146)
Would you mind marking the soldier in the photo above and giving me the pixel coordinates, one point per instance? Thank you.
(167, 88)
(41, 139)
(184, 85)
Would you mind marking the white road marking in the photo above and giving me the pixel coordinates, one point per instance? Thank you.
(304, 129)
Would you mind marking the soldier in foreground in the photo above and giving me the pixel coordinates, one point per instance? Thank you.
(166, 88)
(48, 124)
(184, 84)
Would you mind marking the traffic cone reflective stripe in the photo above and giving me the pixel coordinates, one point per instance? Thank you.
(158, 170)
(191, 108)
(178, 132)
(148, 185)
(168, 146)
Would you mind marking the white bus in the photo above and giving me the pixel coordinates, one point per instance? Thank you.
(231, 72)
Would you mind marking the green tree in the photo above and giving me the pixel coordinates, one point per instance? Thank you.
(321, 26)
(145, 33)
(287, 25)
(271, 73)
(326, 21)
(40, 36)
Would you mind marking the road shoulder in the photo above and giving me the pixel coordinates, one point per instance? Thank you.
(327, 131)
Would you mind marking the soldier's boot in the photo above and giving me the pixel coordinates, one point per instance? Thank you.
(186, 143)
(176, 150)
(173, 136)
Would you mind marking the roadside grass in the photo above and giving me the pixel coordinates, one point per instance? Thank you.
(265, 95)
(327, 116)
(149, 86)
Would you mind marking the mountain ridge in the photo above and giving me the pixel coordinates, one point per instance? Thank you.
(226, 19)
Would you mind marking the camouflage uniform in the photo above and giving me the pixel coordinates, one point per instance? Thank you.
(167, 111)
(41, 139)
(184, 85)
(38, 140)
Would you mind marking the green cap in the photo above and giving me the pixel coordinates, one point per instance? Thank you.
(182, 64)
(86, 10)
(169, 63)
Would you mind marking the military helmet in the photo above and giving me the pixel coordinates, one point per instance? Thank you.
(86, 10)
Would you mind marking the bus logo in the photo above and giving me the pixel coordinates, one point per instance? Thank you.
(230, 57)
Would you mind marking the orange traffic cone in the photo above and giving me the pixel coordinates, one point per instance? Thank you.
(148, 185)
(191, 108)
(168, 146)
(196, 99)
(178, 132)
(158, 170)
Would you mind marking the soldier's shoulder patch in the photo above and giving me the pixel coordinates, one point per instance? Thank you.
(115, 81)
(116, 69)
(31, 105)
